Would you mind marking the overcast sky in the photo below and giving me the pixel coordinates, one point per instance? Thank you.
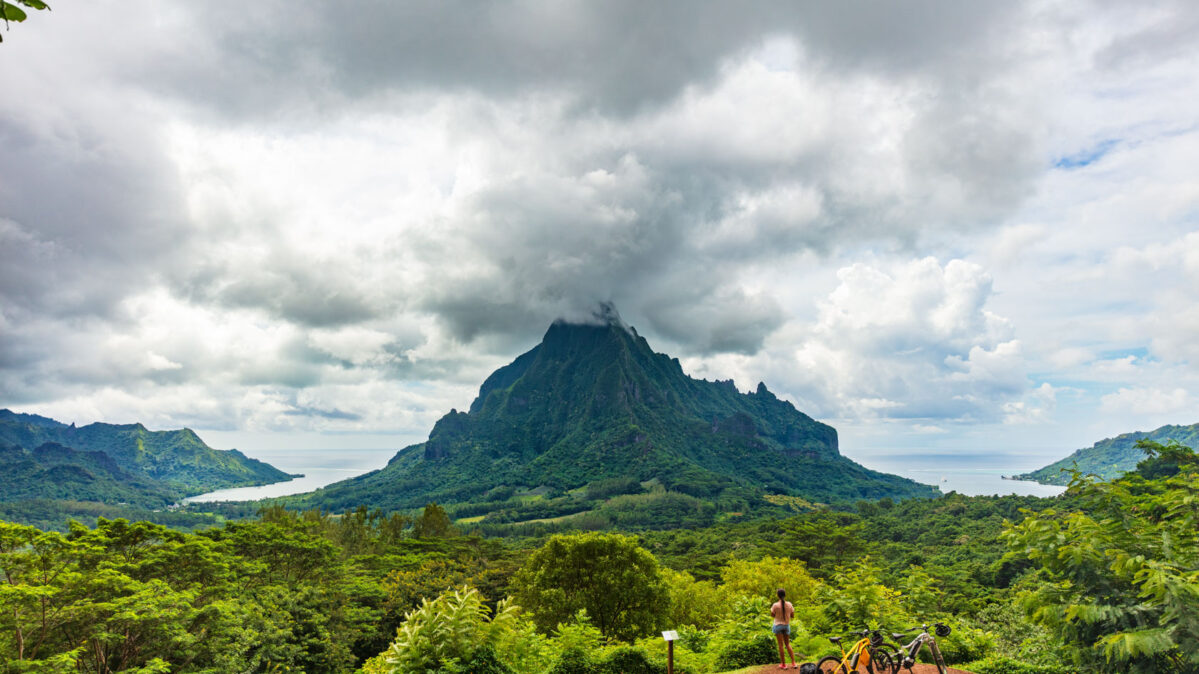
(939, 226)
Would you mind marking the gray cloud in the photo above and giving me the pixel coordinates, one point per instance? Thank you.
(616, 56)
(317, 197)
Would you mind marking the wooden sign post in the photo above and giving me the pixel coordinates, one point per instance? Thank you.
(670, 636)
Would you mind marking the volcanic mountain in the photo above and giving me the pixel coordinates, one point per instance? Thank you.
(594, 402)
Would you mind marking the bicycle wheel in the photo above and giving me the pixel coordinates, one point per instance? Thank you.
(881, 662)
(831, 664)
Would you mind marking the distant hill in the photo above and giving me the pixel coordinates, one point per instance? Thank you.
(54, 472)
(178, 459)
(1112, 457)
(593, 404)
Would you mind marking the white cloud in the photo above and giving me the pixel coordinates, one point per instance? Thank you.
(1036, 406)
(908, 340)
(1149, 402)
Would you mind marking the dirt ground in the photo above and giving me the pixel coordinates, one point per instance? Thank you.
(916, 669)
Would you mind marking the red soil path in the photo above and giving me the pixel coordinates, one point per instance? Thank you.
(916, 669)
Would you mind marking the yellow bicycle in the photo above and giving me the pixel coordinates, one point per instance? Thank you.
(863, 656)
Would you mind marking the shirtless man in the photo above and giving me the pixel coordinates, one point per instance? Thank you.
(782, 611)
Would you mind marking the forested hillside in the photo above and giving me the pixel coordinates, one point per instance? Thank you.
(178, 458)
(1112, 457)
(1081, 582)
(52, 473)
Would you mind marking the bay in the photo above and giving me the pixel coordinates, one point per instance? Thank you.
(320, 467)
(971, 475)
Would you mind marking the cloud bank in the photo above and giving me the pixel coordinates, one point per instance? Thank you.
(331, 219)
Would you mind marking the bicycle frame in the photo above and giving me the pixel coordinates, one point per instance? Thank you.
(913, 648)
(853, 656)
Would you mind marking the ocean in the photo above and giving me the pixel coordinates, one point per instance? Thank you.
(319, 467)
(972, 475)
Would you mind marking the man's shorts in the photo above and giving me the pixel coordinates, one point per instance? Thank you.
(781, 629)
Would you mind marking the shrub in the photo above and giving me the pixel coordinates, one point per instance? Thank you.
(743, 639)
(965, 643)
(453, 633)
(1000, 664)
(574, 661)
(686, 660)
(483, 661)
(630, 660)
(757, 650)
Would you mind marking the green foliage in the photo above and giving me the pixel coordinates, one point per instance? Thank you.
(1017, 637)
(1002, 664)
(744, 637)
(919, 592)
(758, 649)
(630, 660)
(616, 581)
(575, 661)
(9, 11)
(441, 633)
(1165, 460)
(700, 604)
(855, 599)
(613, 486)
(1119, 579)
(965, 643)
(311, 591)
(763, 578)
(433, 523)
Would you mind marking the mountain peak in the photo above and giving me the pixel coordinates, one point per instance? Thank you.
(593, 401)
(603, 315)
(607, 314)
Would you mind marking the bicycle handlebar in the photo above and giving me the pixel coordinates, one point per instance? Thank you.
(923, 627)
(861, 634)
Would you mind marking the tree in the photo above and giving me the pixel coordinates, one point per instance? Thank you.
(10, 12)
(1165, 460)
(433, 523)
(616, 581)
(764, 577)
(1120, 579)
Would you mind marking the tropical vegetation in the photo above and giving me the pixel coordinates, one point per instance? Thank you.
(1101, 579)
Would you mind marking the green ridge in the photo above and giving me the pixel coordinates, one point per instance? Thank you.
(54, 472)
(1112, 457)
(179, 459)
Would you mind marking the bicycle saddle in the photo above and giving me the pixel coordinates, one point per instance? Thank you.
(835, 640)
